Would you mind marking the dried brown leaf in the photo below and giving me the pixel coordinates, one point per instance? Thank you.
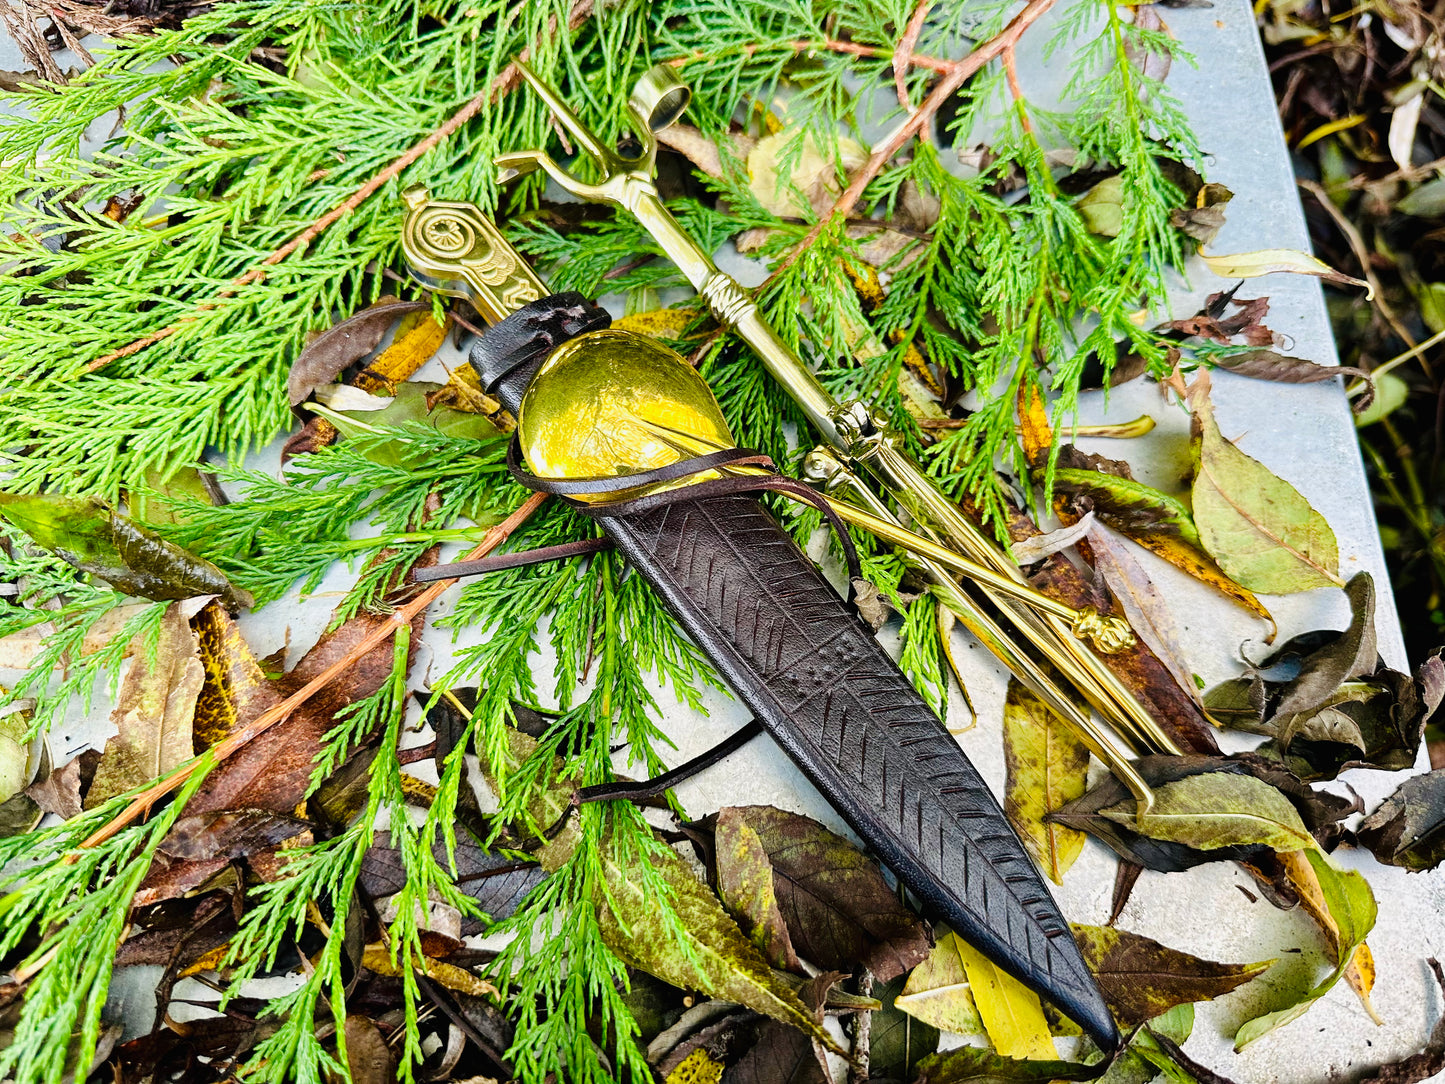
(153, 712)
(346, 343)
(839, 911)
(1142, 978)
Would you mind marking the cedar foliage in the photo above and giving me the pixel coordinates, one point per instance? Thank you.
(248, 123)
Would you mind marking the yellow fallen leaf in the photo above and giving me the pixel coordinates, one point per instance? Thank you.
(376, 958)
(1047, 768)
(1012, 1014)
(697, 1068)
(463, 391)
(1361, 977)
(656, 323)
(813, 174)
(1268, 261)
(211, 961)
(937, 991)
(410, 350)
(1035, 433)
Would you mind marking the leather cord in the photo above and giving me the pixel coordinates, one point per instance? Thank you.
(569, 488)
(499, 561)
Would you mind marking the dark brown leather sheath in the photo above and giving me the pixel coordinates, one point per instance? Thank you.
(812, 672)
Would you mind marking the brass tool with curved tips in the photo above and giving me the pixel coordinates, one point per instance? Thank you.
(611, 404)
(851, 428)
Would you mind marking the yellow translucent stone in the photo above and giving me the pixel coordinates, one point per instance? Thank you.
(611, 404)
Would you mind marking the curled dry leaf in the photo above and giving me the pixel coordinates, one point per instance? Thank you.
(1323, 671)
(85, 533)
(1205, 218)
(1047, 767)
(324, 358)
(1409, 827)
(1344, 708)
(1403, 123)
(1268, 261)
(1211, 323)
(59, 791)
(463, 392)
(1142, 978)
(1259, 528)
(1034, 549)
(1271, 365)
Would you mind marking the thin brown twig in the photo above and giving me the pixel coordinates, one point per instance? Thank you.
(1362, 256)
(400, 619)
(1363, 180)
(1011, 72)
(903, 55)
(506, 80)
(959, 72)
(832, 45)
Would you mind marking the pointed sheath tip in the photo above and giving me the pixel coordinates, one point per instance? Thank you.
(1099, 1025)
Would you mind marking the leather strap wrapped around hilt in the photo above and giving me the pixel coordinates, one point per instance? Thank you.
(813, 674)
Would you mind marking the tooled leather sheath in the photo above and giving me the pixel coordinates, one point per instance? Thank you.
(815, 676)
